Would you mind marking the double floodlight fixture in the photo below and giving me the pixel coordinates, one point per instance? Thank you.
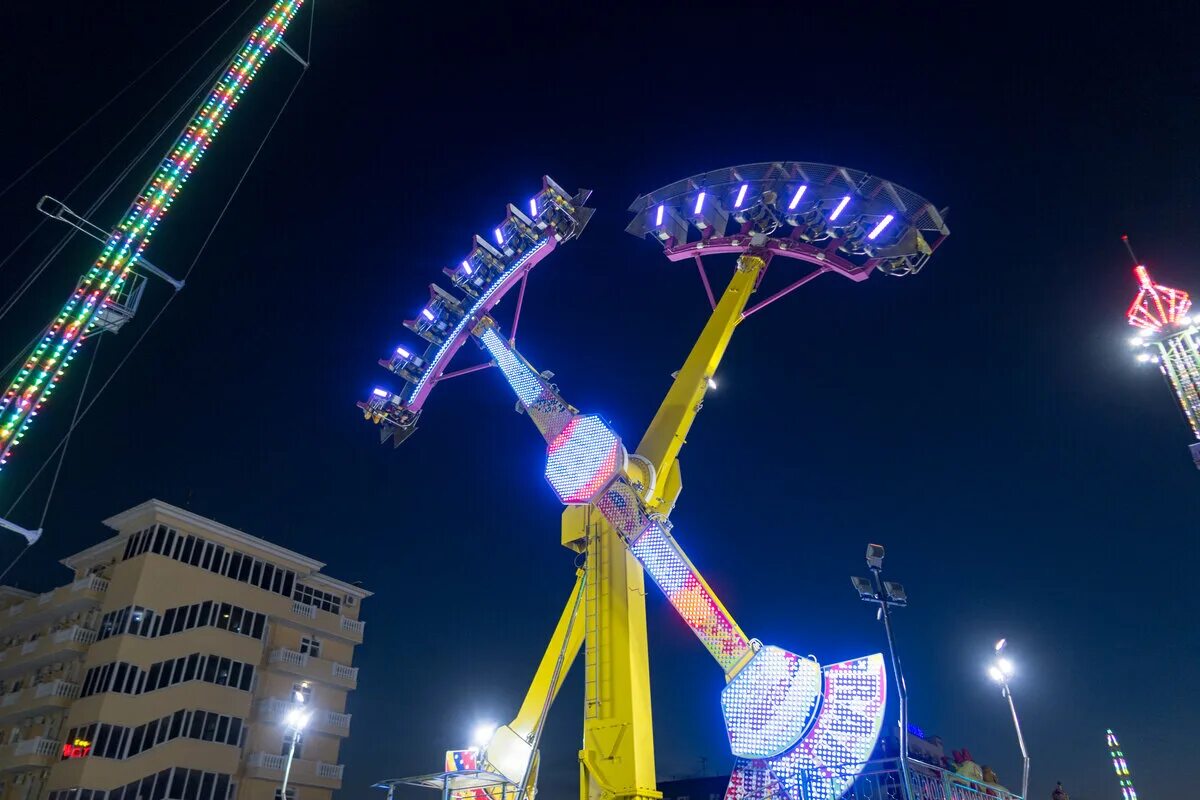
(297, 719)
(893, 593)
(1001, 669)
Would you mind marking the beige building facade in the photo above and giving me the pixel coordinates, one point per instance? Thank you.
(165, 668)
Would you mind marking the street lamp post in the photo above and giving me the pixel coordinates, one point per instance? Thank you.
(297, 719)
(887, 594)
(1001, 671)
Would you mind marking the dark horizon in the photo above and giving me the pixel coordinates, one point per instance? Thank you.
(984, 419)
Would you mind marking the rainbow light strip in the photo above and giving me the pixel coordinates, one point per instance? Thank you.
(102, 284)
(1122, 768)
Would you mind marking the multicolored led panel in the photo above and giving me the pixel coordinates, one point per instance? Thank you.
(1180, 360)
(1156, 306)
(691, 596)
(549, 412)
(829, 757)
(583, 459)
(1121, 767)
(623, 509)
(459, 760)
(770, 703)
(103, 283)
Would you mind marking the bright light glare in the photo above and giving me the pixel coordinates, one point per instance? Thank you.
(699, 203)
(1000, 645)
(483, 733)
(427, 314)
(380, 392)
(883, 223)
(1137, 341)
(1185, 321)
(1006, 667)
(840, 208)
(499, 237)
(400, 351)
(796, 198)
(658, 216)
(995, 674)
(1143, 357)
(297, 719)
(741, 195)
(466, 267)
(712, 384)
(533, 206)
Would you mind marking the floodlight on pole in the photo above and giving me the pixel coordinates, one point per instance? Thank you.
(888, 594)
(297, 720)
(483, 733)
(1002, 671)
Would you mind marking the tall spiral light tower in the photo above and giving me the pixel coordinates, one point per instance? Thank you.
(1122, 768)
(1167, 337)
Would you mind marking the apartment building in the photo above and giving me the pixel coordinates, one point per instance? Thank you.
(165, 668)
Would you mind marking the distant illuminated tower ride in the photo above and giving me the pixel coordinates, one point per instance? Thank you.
(1161, 316)
(1118, 759)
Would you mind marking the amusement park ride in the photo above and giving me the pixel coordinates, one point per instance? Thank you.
(797, 729)
(1161, 316)
(1124, 779)
(107, 295)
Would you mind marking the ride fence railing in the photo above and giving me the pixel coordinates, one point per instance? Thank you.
(883, 780)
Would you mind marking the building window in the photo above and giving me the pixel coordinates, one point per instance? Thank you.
(310, 647)
(302, 692)
(287, 744)
(291, 794)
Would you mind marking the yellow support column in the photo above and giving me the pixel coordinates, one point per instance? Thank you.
(617, 758)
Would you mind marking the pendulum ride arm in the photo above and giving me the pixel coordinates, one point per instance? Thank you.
(102, 286)
(772, 698)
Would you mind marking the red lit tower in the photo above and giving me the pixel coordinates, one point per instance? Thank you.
(1168, 337)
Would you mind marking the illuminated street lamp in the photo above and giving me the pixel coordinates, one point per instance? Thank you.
(297, 720)
(1001, 671)
(887, 594)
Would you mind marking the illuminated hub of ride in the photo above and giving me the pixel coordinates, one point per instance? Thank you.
(789, 721)
(1167, 336)
(1122, 769)
(101, 300)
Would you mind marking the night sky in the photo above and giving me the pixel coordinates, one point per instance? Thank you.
(984, 420)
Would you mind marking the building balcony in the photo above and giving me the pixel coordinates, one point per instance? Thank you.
(38, 699)
(323, 621)
(56, 646)
(36, 753)
(318, 669)
(304, 772)
(273, 710)
(39, 611)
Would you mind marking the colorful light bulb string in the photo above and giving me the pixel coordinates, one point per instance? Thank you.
(101, 286)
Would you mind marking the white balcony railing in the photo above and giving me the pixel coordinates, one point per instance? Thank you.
(267, 761)
(353, 626)
(74, 634)
(37, 747)
(330, 771)
(335, 720)
(59, 688)
(342, 672)
(290, 657)
(304, 610)
(90, 583)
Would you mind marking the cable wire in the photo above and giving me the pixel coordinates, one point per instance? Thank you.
(128, 133)
(112, 99)
(79, 417)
